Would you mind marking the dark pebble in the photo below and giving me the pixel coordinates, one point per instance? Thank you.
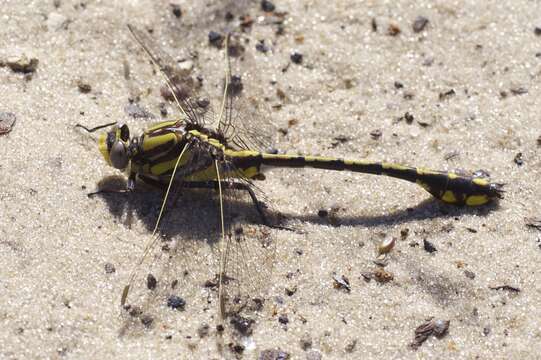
(322, 213)
(235, 85)
(518, 159)
(147, 320)
(537, 31)
(296, 57)
(283, 319)
(176, 302)
(177, 11)
(109, 268)
(236, 348)
(151, 282)
(216, 39)
(242, 325)
(469, 274)
(409, 117)
(428, 246)
(267, 6)
(261, 47)
(84, 87)
(419, 24)
(398, 85)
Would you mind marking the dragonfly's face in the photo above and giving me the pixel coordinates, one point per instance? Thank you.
(113, 146)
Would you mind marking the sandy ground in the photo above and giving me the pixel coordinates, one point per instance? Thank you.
(64, 258)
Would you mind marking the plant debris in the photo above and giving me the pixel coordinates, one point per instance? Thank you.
(534, 223)
(341, 282)
(447, 94)
(84, 87)
(518, 91)
(21, 63)
(380, 275)
(7, 121)
(434, 327)
(506, 288)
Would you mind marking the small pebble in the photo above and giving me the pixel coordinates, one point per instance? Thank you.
(428, 246)
(176, 302)
(296, 57)
(537, 30)
(7, 121)
(216, 39)
(393, 30)
(151, 282)
(109, 268)
(267, 6)
(419, 24)
(83, 87)
(469, 274)
(283, 319)
(147, 320)
(261, 47)
(177, 11)
(518, 159)
(242, 325)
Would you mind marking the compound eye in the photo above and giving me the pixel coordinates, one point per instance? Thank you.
(119, 155)
(124, 133)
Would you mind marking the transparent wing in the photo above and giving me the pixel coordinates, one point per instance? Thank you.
(244, 118)
(181, 88)
(247, 252)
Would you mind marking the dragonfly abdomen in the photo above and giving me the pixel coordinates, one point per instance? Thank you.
(447, 186)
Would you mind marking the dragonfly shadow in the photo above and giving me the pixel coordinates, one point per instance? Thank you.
(193, 214)
(196, 212)
(427, 209)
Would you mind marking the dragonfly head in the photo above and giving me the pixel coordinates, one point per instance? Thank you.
(114, 146)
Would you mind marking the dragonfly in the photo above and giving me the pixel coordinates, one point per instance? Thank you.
(227, 153)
